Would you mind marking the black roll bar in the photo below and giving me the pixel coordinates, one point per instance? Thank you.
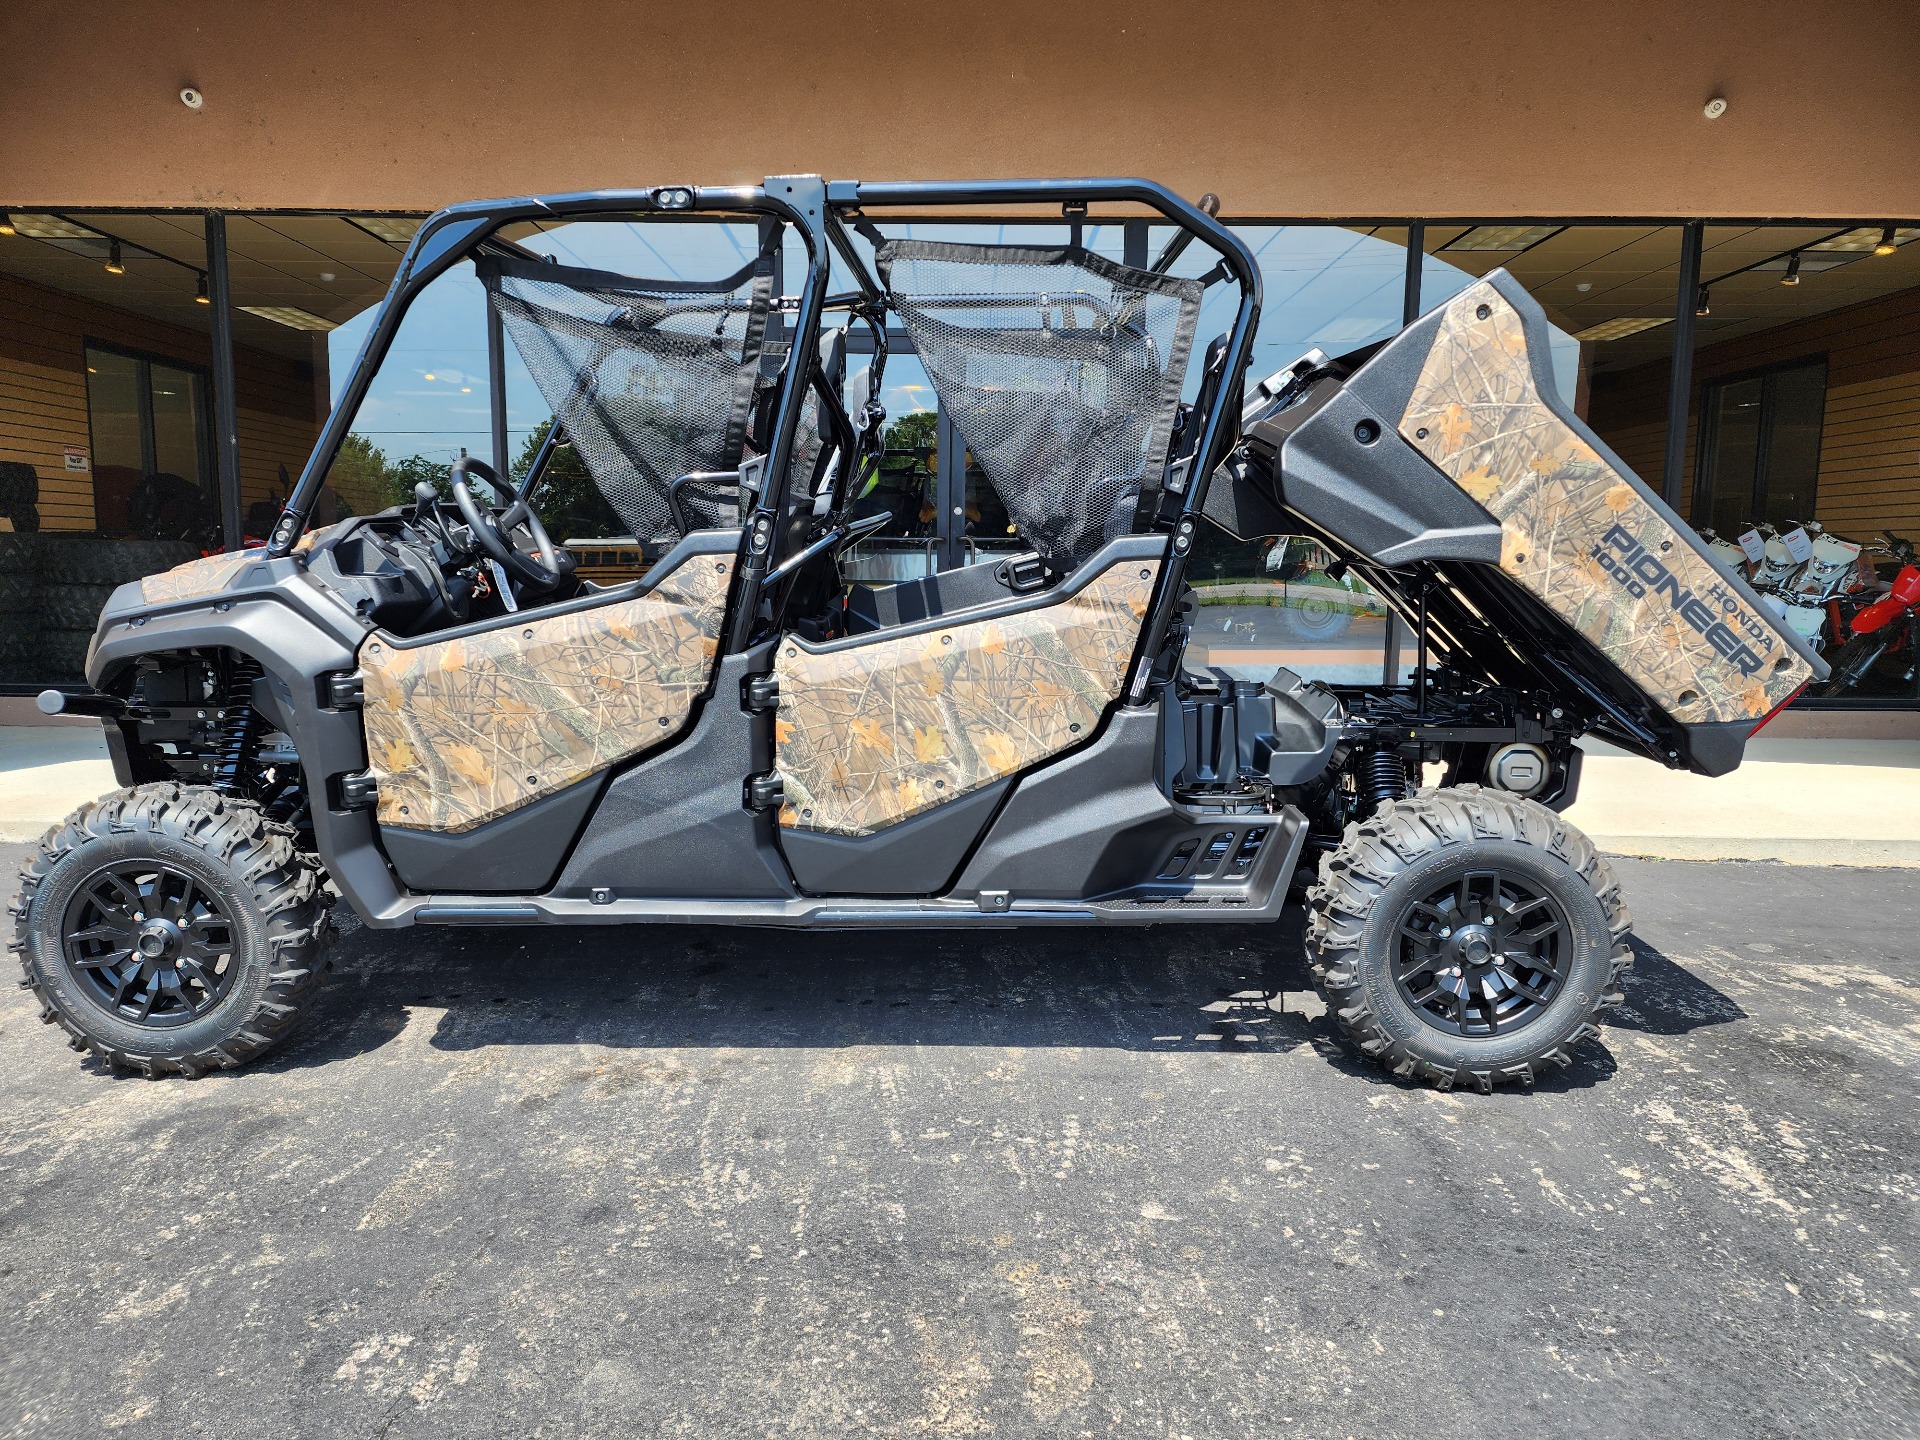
(852, 197)
(459, 231)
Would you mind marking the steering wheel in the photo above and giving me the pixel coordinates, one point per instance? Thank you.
(492, 529)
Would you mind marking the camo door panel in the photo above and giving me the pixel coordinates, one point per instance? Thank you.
(1580, 536)
(872, 734)
(464, 730)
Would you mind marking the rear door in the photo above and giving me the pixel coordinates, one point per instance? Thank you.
(1057, 375)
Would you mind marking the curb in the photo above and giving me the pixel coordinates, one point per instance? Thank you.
(1902, 854)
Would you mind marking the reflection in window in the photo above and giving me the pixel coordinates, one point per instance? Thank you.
(1760, 456)
(1281, 600)
(905, 485)
(428, 404)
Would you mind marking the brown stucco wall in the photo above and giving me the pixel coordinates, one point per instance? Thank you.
(1400, 107)
(1870, 433)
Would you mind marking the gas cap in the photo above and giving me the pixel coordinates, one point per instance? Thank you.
(1521, 769)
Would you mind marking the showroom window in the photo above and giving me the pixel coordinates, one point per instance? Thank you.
(1760, 452)
(152, 460)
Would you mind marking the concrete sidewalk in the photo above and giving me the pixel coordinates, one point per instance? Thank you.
(1798, 802)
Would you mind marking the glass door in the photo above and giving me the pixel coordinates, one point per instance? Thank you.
(152, 460)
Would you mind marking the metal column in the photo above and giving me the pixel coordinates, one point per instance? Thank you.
(497, 389)
(1680, 386)
(226, 419)
(1416, 260)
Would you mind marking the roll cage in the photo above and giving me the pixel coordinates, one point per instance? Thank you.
(822, 214)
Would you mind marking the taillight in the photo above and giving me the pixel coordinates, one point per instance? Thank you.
(1767, 719)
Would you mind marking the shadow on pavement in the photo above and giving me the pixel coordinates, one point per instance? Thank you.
(1664, 998)
(1193, 990)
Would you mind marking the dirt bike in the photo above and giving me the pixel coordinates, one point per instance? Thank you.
(1888, 629)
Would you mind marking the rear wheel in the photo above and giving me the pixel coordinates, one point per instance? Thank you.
(172, 930)
(1467, 936)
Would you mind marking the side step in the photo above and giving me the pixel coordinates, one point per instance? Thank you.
(1236, 872)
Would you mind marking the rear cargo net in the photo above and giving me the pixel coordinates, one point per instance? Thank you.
(650, 379)
(1061, 370)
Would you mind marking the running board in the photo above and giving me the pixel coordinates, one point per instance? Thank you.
(1258, 895)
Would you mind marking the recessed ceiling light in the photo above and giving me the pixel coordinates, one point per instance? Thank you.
(1866, 240)
(1810, 263)
(1619, 329)
(1504, 239)
(387, 227)
(51, 227)
(290, 316)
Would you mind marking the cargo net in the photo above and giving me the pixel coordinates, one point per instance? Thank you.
(651, 380)
(1061, 371)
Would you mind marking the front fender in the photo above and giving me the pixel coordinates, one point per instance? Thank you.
(299, 634)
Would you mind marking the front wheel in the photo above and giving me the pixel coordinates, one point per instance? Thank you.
(1467, 936)
(172, 930)
(1852, 662)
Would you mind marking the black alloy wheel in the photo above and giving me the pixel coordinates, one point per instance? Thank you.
(1484, 954)
(173, 930)
(149, 943)
(1465, 936)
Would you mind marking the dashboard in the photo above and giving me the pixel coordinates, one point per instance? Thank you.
(413, 570)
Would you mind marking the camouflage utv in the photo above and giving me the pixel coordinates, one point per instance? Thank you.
(427, 713)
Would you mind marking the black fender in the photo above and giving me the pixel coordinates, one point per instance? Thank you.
(299, 634)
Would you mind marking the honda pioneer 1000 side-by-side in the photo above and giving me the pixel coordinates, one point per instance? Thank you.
(432, 714)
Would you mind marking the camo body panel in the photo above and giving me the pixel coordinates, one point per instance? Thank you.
(1581, 537)
(465, 730)
(877, 733)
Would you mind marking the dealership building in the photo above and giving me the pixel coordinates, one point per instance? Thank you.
(1717, 205)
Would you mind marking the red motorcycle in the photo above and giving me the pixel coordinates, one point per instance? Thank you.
(1884, 630)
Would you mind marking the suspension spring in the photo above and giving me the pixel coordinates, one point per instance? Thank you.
(239, 727)
(1383, 777)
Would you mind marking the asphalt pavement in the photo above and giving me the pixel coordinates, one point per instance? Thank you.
(698, 1182)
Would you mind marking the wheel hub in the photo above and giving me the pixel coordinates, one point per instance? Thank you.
(1483, 955)
(1472, 945)
(159, 940)
(150, 943)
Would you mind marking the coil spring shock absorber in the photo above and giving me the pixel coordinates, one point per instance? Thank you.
(1382, 777)
(239, 727)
